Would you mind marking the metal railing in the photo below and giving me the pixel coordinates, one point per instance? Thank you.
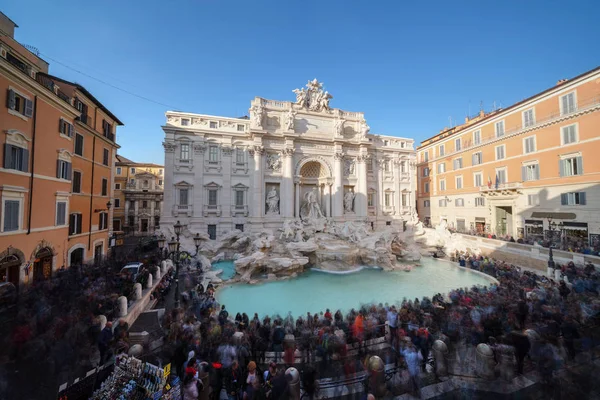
(501, 186)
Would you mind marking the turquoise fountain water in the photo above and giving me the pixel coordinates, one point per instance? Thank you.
(315, 291)
(227, 267)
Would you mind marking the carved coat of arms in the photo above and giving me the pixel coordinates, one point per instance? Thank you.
(313, 98)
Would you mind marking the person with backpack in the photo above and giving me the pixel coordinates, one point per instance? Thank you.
(278, 337)
(223, 315)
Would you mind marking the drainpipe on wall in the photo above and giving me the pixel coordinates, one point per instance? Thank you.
(92, 192)
(29, 212)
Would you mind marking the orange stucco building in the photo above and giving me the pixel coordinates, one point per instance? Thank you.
(58, 146)
(505, 172)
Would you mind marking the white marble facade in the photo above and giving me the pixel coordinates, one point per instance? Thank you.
(253, 173)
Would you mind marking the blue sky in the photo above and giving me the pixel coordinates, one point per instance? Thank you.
(410, 66)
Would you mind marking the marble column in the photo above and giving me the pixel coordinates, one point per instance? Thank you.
(328, 199)
(297, 202)
(287, 188)
(360, 200)
(381, 205)
(397, 191)
(136, 220)
(338, 187)
(226, 193)
(198, 189)
(258, 199)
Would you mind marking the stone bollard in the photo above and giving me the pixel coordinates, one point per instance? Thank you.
(293, 377)
(485, 364)
(149, 282)
(507, 362)
(163, 266)
(157, 275)
(137, 290)
(122, 306)
(376, 371)
(204, 376)
(440, 355)
(102, 321)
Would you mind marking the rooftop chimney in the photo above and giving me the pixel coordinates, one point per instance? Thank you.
(561, 81)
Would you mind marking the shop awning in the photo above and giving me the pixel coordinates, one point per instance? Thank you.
(479, 219)
(575, 226)
(553, 215)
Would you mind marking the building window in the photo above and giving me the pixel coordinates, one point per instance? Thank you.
(571, 166)
(528, 118)
(102, 221)
(239, 227)
(184, 151)
(387, 199)
(442, 150)
(404, 199)
(75, 223)
(117, 186)
(76, 181)
(500, 152)
(104, 187)
(441, 168)
(16, 158)
(118, 170)
(157, 205)
(160, 172)
(529, 145)
(65, 128)
(132, 171)
(239, 156)
(212, 197)
(160, 182)
(477, 137)
(11, 214)
(530, 172)
(185, 121)
(371, 199)
(369, 166)
(459, 182)
(501, 176)
(79, 145)
(117, 203)
(426, 187)
(533, 200)
(479, 201)
(386, 143)
(426, 156)
(144, 203)
(132, 181)
(212, 232)
(460, 202)
(426, 171)
(403, 167)
(213, 154)
(477, 158)
(241, 128)
(499, 128)
(572, 199)
(568, 103)
(183, 197)
(107, 129)
(402, 145)
(457, 145)
(568, 134)
(105, 157)
(239, 198)
(442, 203)
(63, 170)
(132, 204)
(19, 103)
(478, 179)
(443, 184)
(426, 203)
(457, 163)
(213, 125)
(146, 184)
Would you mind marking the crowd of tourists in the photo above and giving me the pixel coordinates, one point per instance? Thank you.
(544, 320)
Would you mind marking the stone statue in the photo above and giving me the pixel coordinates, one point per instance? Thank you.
(274, 162)
(272, 201)
(339, 127)
(301, 97)
(349, 201)
(288, 229)
(311, 209)
(313, 97)
(348, 167)
(289, 120)
(257, 113)
(324, 101)
(364, 129)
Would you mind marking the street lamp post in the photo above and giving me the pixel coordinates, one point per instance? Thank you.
(174, 247)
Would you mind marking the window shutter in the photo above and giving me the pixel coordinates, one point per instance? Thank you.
(523, 173)
(564, 199)
(561, 168)
(58, 168)
(69, 172)
(537, 172)
(7, 155)
(582, 198)
(565, 104)
(70, 130)
(60, 122)
(579, 165)
(11, 100)
(28, 108)
(78, 223)
(25, 166)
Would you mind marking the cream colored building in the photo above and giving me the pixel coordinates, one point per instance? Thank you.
(252, 173)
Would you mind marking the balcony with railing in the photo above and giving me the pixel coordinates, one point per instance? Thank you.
(239, 209)
(501, 187)
(389, 210)
(212, 209)
(86, 119)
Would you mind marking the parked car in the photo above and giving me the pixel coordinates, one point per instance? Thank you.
(131, 270)
(8, 295)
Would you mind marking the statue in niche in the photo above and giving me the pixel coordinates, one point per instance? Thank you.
(289, 120)
(274, 162)
(348, 167)
(272, 201)
(339, 127)
(311, 209)
(349, 201)
(364, 129)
